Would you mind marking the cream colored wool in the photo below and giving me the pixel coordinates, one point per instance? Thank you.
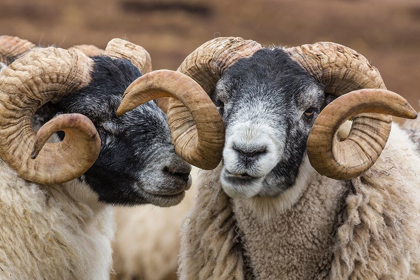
(52, 232)
(147, 239)
(366, 228)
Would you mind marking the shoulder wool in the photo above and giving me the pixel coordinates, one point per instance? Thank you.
(365, 228)
(147, 239)
(55, 232)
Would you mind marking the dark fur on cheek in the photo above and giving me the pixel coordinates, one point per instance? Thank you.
(271, 89)
(129, 144)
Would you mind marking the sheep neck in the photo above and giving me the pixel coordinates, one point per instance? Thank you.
(297, 256)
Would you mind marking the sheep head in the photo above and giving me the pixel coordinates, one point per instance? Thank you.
(125, 159)
(272, 102)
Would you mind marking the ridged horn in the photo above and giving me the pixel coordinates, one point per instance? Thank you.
(12, 48)
(119, 48)
(163, 104)
(45, 74)
(89, 50)
(196, 126)
(342, 70)
(366, 140)
(206, 65)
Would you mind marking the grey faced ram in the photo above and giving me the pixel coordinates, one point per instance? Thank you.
(290, 199)
(270, 99)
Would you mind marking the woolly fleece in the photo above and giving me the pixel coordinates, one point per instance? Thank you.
(366, 228)
(52, 232)
(147, 239)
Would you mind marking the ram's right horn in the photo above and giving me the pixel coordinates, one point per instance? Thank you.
(197, 129)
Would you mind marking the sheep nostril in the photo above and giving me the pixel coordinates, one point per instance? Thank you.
(250, 153)
(182, 174)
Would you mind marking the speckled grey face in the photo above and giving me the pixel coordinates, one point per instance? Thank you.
(268, 104)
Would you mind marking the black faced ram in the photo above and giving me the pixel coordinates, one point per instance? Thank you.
(55, 198)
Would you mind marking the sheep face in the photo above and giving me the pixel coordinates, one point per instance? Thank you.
(268, 104)
(137, 163)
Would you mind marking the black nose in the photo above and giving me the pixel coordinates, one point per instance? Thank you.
(181, 171)
(248, 155)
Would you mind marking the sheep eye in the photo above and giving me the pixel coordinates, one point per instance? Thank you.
(221, 110)
(310, 113)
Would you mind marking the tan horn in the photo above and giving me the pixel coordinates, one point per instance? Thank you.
(89, 50)
(208, 62)
(119, 48)
(163, 104)
(12, 48)
(196, 126)
(364, 144)
(45, 74)
(206, 65)
(342, 70)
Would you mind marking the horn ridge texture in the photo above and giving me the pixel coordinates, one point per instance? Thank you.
(45, 74)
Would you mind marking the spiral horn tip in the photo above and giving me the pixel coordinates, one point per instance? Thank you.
(120, 112)
(34, 154)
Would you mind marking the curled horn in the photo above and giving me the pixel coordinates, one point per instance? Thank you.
(205, 66)
(119, 48)
(196, 139)
(345, 72)
(341, 70)
(197, 129)
(43, 75)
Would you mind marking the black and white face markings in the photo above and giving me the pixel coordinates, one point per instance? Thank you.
(268, 103)
(137, 163)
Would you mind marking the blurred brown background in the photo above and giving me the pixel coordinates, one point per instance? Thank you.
(387, 32)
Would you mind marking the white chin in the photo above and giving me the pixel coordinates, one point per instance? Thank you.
(241, 190)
